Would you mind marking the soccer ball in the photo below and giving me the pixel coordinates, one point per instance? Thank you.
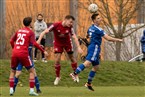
(93, 8)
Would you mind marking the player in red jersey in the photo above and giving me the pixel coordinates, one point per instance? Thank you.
(20, 42)
(63, 32)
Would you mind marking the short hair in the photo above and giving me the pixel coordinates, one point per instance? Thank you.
(39, 15)
(27, 21)
(93, 17)
(69, 17)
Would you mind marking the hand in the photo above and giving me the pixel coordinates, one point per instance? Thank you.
(38, 41)
(46, 54)
(46, 30)
(120, 40)
(80, 50)
(42, 46)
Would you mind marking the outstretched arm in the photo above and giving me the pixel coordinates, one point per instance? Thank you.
(43, 33)
(109, 38)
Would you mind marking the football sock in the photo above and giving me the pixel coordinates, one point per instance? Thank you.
(11, 82)
(79, 69)
(91, 76)
(74, 66)
(31, 89)
(57, 70)
(15, 82)
(31, 83)
(37, 85)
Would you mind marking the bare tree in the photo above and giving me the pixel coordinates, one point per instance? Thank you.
(120, 13)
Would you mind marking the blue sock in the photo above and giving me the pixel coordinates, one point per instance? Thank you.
(37, 85)
(80, 68)
(91, 76)
(15, 82)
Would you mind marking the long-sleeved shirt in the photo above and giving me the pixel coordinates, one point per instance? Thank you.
(39, 27)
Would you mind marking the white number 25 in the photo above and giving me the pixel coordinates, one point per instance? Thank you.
(20, 39)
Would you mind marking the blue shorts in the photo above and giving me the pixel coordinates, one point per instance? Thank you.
(20, 66)
(93, 54)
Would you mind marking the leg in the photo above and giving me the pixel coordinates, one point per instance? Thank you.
(73, 61)
(11, 81)
(18, 72)
(73, 64)
(80, 68)
(37, 84)
(91, 76)
(14, 63)
(16, 79)
(35, 54)
(32, 81)
(143, 56)
(92, 73)
(26, 61)
(43, 43)
(57, 67)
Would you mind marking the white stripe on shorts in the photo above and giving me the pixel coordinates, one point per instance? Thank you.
(95, 52)
(30, 61)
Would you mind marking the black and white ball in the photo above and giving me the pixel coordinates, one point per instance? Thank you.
(93, 8)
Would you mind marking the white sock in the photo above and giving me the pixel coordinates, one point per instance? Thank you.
(31, 89)
(11, 90)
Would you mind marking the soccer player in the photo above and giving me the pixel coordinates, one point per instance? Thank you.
(20, 43)
(95, 33)
(19, 70)
(63, 31)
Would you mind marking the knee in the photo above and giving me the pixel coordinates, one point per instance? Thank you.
(17, 74)
(72, 59)
(95, 68)
(87, 64)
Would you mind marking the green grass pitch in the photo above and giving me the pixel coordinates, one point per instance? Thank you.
(101, 91)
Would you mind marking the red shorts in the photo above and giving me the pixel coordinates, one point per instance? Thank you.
(60, 49)
(25, 61)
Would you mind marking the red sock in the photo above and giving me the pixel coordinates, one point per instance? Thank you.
(11, 82)
(31, 83)
(57, 70)
(74, 66)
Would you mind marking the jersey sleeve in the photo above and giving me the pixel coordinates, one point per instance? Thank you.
(89, 33)
(13, 39)
(102, 33)
(51, 27)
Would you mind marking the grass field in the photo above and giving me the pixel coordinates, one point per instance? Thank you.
(116, 91)
(114, 79)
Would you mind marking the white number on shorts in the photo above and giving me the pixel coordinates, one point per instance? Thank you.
(20, 39)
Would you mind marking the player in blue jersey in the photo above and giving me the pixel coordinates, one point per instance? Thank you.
(19, 69)
(95, 34)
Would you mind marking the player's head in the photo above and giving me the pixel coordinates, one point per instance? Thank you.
(96, 18)
(39, 17)
(27, 21)
(69, 19)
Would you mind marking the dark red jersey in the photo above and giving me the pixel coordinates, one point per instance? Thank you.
(62, 35)
(21, 40)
